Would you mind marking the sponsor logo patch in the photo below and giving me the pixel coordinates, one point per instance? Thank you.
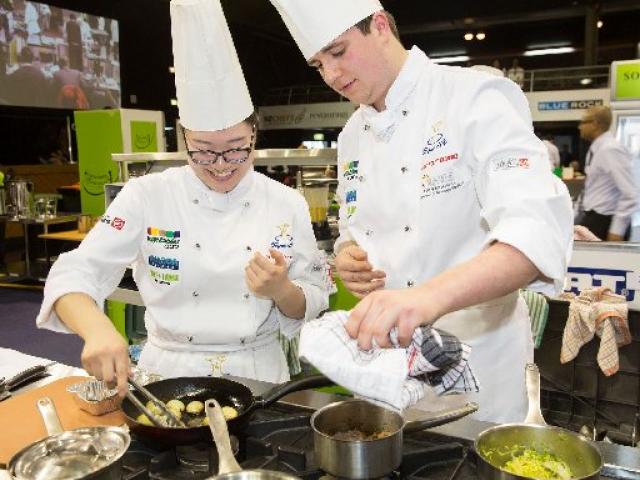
(169, 239)
(439, 160)
(164, 278)
(164, 263)
(350, 170)
(435, 142)
(433, 185)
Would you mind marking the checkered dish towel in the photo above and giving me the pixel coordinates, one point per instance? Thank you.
(601, 312)
(393, 377)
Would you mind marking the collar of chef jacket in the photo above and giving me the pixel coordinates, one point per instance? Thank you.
(383, 123)
(201, 194)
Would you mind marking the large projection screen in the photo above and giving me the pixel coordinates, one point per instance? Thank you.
(57, 58)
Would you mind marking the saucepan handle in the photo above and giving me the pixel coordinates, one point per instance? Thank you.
(49, 416)
(304, 383)
(532, 379)
(441, 418)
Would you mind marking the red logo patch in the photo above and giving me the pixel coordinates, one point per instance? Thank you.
(118, 223)
(523, 162)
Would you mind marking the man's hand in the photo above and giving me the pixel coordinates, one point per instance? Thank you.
(105, 356)
(375, 316)
(612, 237)
(356, 272)
(265, 278)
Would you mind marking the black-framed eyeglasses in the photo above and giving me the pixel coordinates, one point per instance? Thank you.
(210, 157)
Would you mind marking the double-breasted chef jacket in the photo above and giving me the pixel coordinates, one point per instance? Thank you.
(189, 246)
(450, 166)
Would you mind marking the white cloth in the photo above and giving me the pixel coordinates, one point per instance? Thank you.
(610, 188)
(394, 377)
(313, 25)
(189, 246)
(554, 154)
(451, 166)
(211, 90)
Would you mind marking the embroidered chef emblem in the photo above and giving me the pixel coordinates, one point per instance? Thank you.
(438, 184)
(501, 164)
(350, 170)
(169, 239)
(436, 140)
(283, 239)
(115, 222)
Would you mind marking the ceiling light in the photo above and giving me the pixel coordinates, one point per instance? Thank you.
(600, 23)
(172, 69)
(468, 36)
(174, 102)
(480, 36)
(549, 51)
(586, 81)
(455, 59)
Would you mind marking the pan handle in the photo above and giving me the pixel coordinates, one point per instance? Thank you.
(279, 391)
(49, 416)
(441, 418)
(532, 379)
(227, 462)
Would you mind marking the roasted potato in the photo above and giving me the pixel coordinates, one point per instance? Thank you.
(144, 420)
(229, 413)
(195, 407)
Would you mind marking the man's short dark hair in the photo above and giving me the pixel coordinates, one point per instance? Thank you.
(364, 25)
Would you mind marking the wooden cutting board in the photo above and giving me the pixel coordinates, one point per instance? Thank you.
(21, 423)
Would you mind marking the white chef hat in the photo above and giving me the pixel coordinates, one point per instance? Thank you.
(316, 23)
(211, 91)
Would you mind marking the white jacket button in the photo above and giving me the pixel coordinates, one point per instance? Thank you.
(407, 228)
(361, 178)
(368, 233)
(197, 245)
(247, 204)
(195, 294)
(196, 201)
(246, 296)
(404, 169)
(410, 283)
(248, 247)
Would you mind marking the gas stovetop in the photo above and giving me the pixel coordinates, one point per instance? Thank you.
(280, 438)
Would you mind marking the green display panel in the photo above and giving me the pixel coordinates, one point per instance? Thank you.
(627, 81)
(99, 134)
(143, 136)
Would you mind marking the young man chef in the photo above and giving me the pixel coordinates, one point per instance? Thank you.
(224, 257)
(448, 206)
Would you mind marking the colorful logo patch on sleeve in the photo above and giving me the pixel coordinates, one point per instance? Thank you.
(169, 239)
(115, 222)
(164, 263)
(350, 202)
(502, 164)
(350, 170)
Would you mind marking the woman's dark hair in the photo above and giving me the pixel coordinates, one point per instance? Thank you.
(364, 25)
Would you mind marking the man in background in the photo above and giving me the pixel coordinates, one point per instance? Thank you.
(554, 153)
(610, 193)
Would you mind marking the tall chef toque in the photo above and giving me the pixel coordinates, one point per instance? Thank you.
(314, 24)
(211, 90)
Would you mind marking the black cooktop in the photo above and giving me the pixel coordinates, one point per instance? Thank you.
(280, 438)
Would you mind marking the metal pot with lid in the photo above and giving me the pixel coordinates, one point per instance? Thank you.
(83, 453)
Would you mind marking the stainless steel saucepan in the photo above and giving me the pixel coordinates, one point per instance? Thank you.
(357, 439)
(496, 446)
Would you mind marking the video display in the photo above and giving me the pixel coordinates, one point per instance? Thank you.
(57, 58)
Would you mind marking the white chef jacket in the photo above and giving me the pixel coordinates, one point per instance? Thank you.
(189, 246)
(609, 188)
(449, 167)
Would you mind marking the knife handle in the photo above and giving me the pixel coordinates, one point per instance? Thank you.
(26, 377)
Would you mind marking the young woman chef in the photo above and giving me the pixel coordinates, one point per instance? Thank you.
(224, 257)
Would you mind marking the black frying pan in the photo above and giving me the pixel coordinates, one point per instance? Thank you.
(226, 392)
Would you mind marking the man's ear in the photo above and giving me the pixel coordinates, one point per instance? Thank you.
(380, 23)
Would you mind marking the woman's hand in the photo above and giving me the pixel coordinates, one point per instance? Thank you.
(266, 278)
(106, 356)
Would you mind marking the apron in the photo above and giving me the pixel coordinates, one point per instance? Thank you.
(263, 360)
(499, 334)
